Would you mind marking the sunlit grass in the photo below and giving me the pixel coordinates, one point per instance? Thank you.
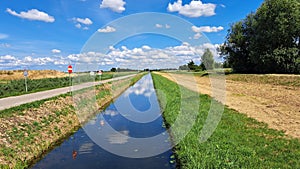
(238, 141)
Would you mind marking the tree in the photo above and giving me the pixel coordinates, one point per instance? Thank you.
(113, 69)
(183, 67)
(191, 65)
(266, 41)
(207, 60)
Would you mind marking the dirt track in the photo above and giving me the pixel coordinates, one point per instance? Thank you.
(278, 106)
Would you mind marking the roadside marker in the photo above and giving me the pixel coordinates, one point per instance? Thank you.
(25, 73)
(70, 70)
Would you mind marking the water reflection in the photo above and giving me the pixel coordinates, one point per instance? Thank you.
(130, 127)
(139, 103)
(119, 138)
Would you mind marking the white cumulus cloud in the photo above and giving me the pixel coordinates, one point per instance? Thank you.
(85, 21)
(193, 9)
(7, 57)
(114, 5)
(107, 29)
(158, 25)
(162, 26)
(55, 51)
(32, 14)
(197, 35)
(207, 29)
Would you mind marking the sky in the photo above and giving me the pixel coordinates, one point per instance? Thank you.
(101, 34)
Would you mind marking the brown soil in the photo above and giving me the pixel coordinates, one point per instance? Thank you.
(276, 105)
(32, 74)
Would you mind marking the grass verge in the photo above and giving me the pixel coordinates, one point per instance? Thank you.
(238, 141)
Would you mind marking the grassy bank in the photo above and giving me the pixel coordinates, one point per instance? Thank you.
(238, 141)
(30, 130)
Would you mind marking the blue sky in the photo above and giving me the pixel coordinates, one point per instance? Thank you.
(51, 34)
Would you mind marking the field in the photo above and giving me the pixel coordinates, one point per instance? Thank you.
(7, 75)
(12, 82)
(238, 141)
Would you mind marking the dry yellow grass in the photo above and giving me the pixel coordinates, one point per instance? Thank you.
(32, 74)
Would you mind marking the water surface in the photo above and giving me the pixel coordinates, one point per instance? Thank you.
(129, 134)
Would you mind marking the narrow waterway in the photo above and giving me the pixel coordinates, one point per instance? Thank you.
(129, 134)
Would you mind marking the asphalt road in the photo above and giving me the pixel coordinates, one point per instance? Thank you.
(13, 101)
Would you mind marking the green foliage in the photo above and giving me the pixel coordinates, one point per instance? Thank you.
(207, 60)
(113, 69)
(183, 67)
(191, 65)
(266, 41)
(238, 141)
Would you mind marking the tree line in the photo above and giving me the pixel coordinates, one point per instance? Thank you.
(207, 63)
(266, 41)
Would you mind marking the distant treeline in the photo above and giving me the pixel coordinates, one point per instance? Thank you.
(207, 63)
(266, 41)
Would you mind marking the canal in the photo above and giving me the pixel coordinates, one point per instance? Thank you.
(128, 134)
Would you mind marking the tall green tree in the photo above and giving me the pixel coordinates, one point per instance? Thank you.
(191, 65)
(207, 60)
(266, 41)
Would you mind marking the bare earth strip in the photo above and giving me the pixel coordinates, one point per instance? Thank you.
(278, 106)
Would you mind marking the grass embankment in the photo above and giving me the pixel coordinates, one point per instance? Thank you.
(238, 141)
(17, 87)
(30, 130)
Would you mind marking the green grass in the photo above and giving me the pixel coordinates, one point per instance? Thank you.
(238, 141)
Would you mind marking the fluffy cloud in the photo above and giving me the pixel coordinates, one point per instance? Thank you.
(32, 14)
(86, 21)
(3, 36)
(55, 51)
(197, 35)
(124, 57)
(107, 29)
(207, 29)
(114, 5)
(12, 62)
(78, 25)
(161, 26)
(80, 22)
(193, 9)
(7, 58)
(158, 25)
(147, 57)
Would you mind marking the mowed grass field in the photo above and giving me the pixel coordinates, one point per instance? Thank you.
(237, 142)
